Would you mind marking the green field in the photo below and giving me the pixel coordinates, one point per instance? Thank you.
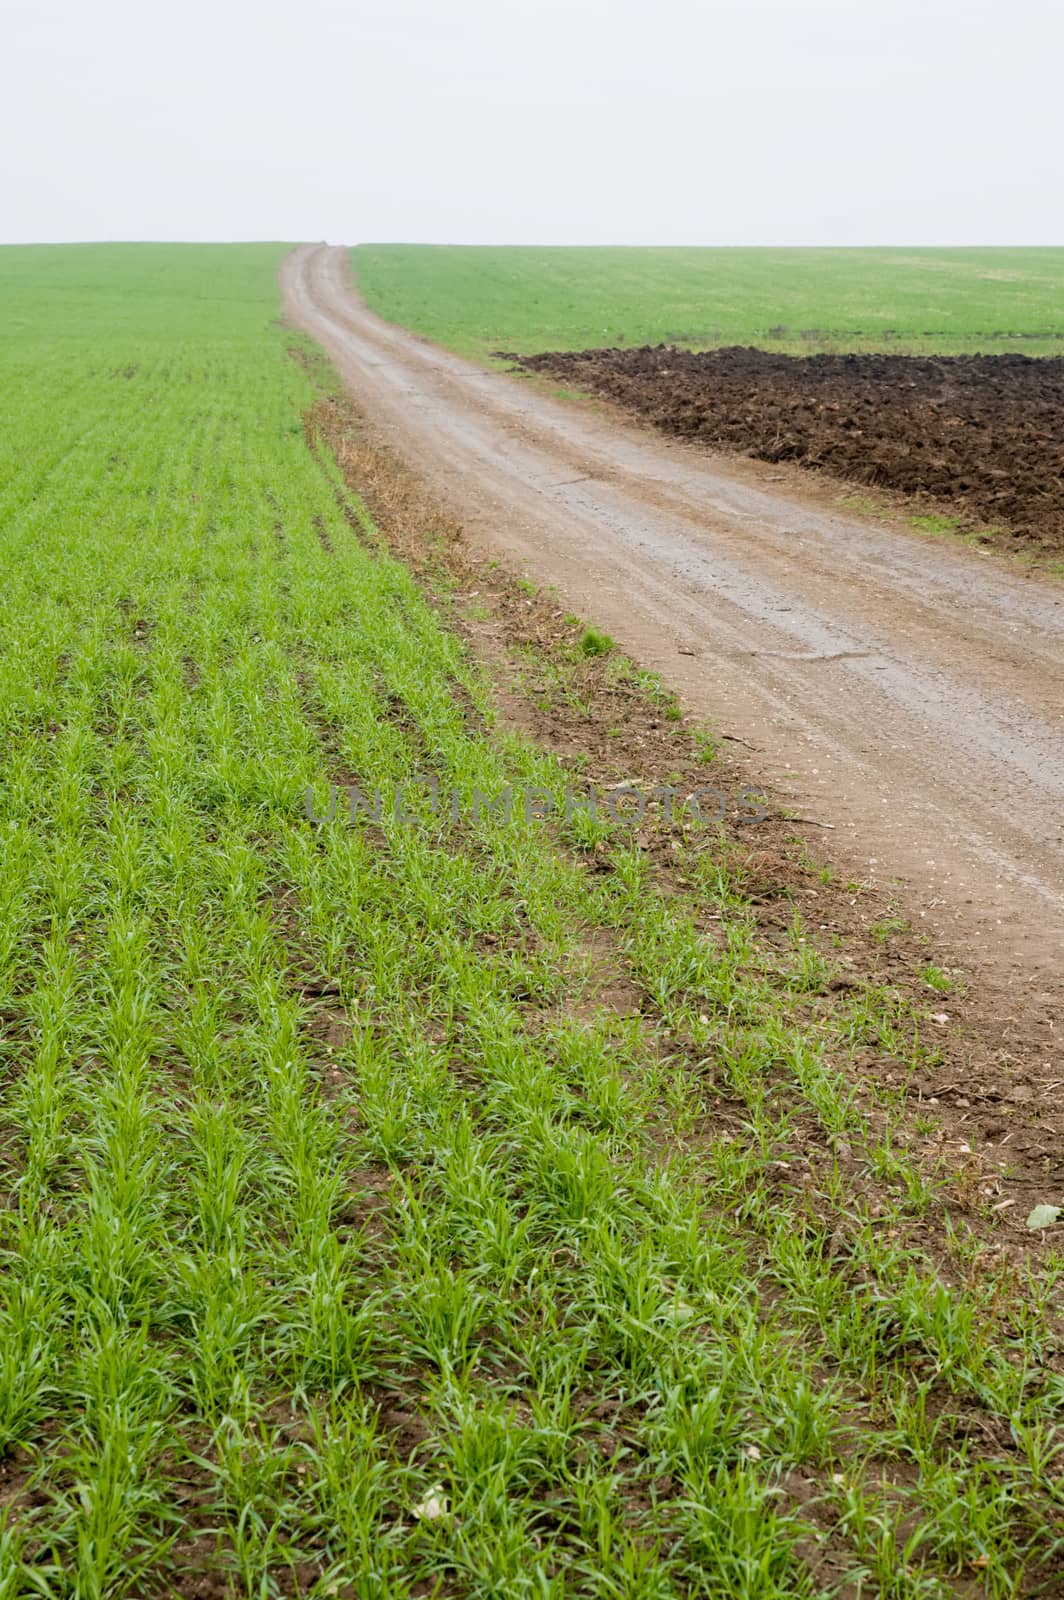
(351, 1246)
(477, 300)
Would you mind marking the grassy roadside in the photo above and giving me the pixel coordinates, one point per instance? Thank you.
(429, 1207)
(477, 299)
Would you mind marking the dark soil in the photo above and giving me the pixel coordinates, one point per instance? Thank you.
(983, 436)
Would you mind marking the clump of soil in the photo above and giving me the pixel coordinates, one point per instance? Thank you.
(983, 436)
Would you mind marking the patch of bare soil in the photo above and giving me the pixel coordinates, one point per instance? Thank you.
(980, 436)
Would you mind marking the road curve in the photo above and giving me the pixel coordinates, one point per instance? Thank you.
(901, 690)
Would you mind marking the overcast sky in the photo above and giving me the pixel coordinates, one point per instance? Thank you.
(518, 121)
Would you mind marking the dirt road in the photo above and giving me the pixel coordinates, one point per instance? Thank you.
(902, 691)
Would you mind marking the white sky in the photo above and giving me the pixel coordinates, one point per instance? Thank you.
(534, 121)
